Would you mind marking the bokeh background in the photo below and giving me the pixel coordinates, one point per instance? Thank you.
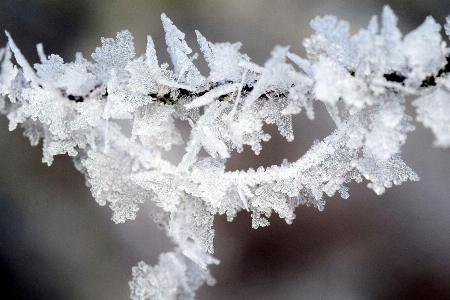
(57, 243)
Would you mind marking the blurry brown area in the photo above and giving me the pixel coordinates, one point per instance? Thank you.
(57, 243)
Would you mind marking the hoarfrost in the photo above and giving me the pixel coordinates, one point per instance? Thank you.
(364, 80)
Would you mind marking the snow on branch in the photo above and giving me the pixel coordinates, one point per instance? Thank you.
(362, 79)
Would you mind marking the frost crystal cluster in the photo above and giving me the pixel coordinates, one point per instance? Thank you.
(364, 80)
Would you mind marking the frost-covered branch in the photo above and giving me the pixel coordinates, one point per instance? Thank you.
(363, 80)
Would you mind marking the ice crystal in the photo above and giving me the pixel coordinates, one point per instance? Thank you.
(364, 80)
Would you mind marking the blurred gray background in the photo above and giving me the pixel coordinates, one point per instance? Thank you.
(57, 243)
